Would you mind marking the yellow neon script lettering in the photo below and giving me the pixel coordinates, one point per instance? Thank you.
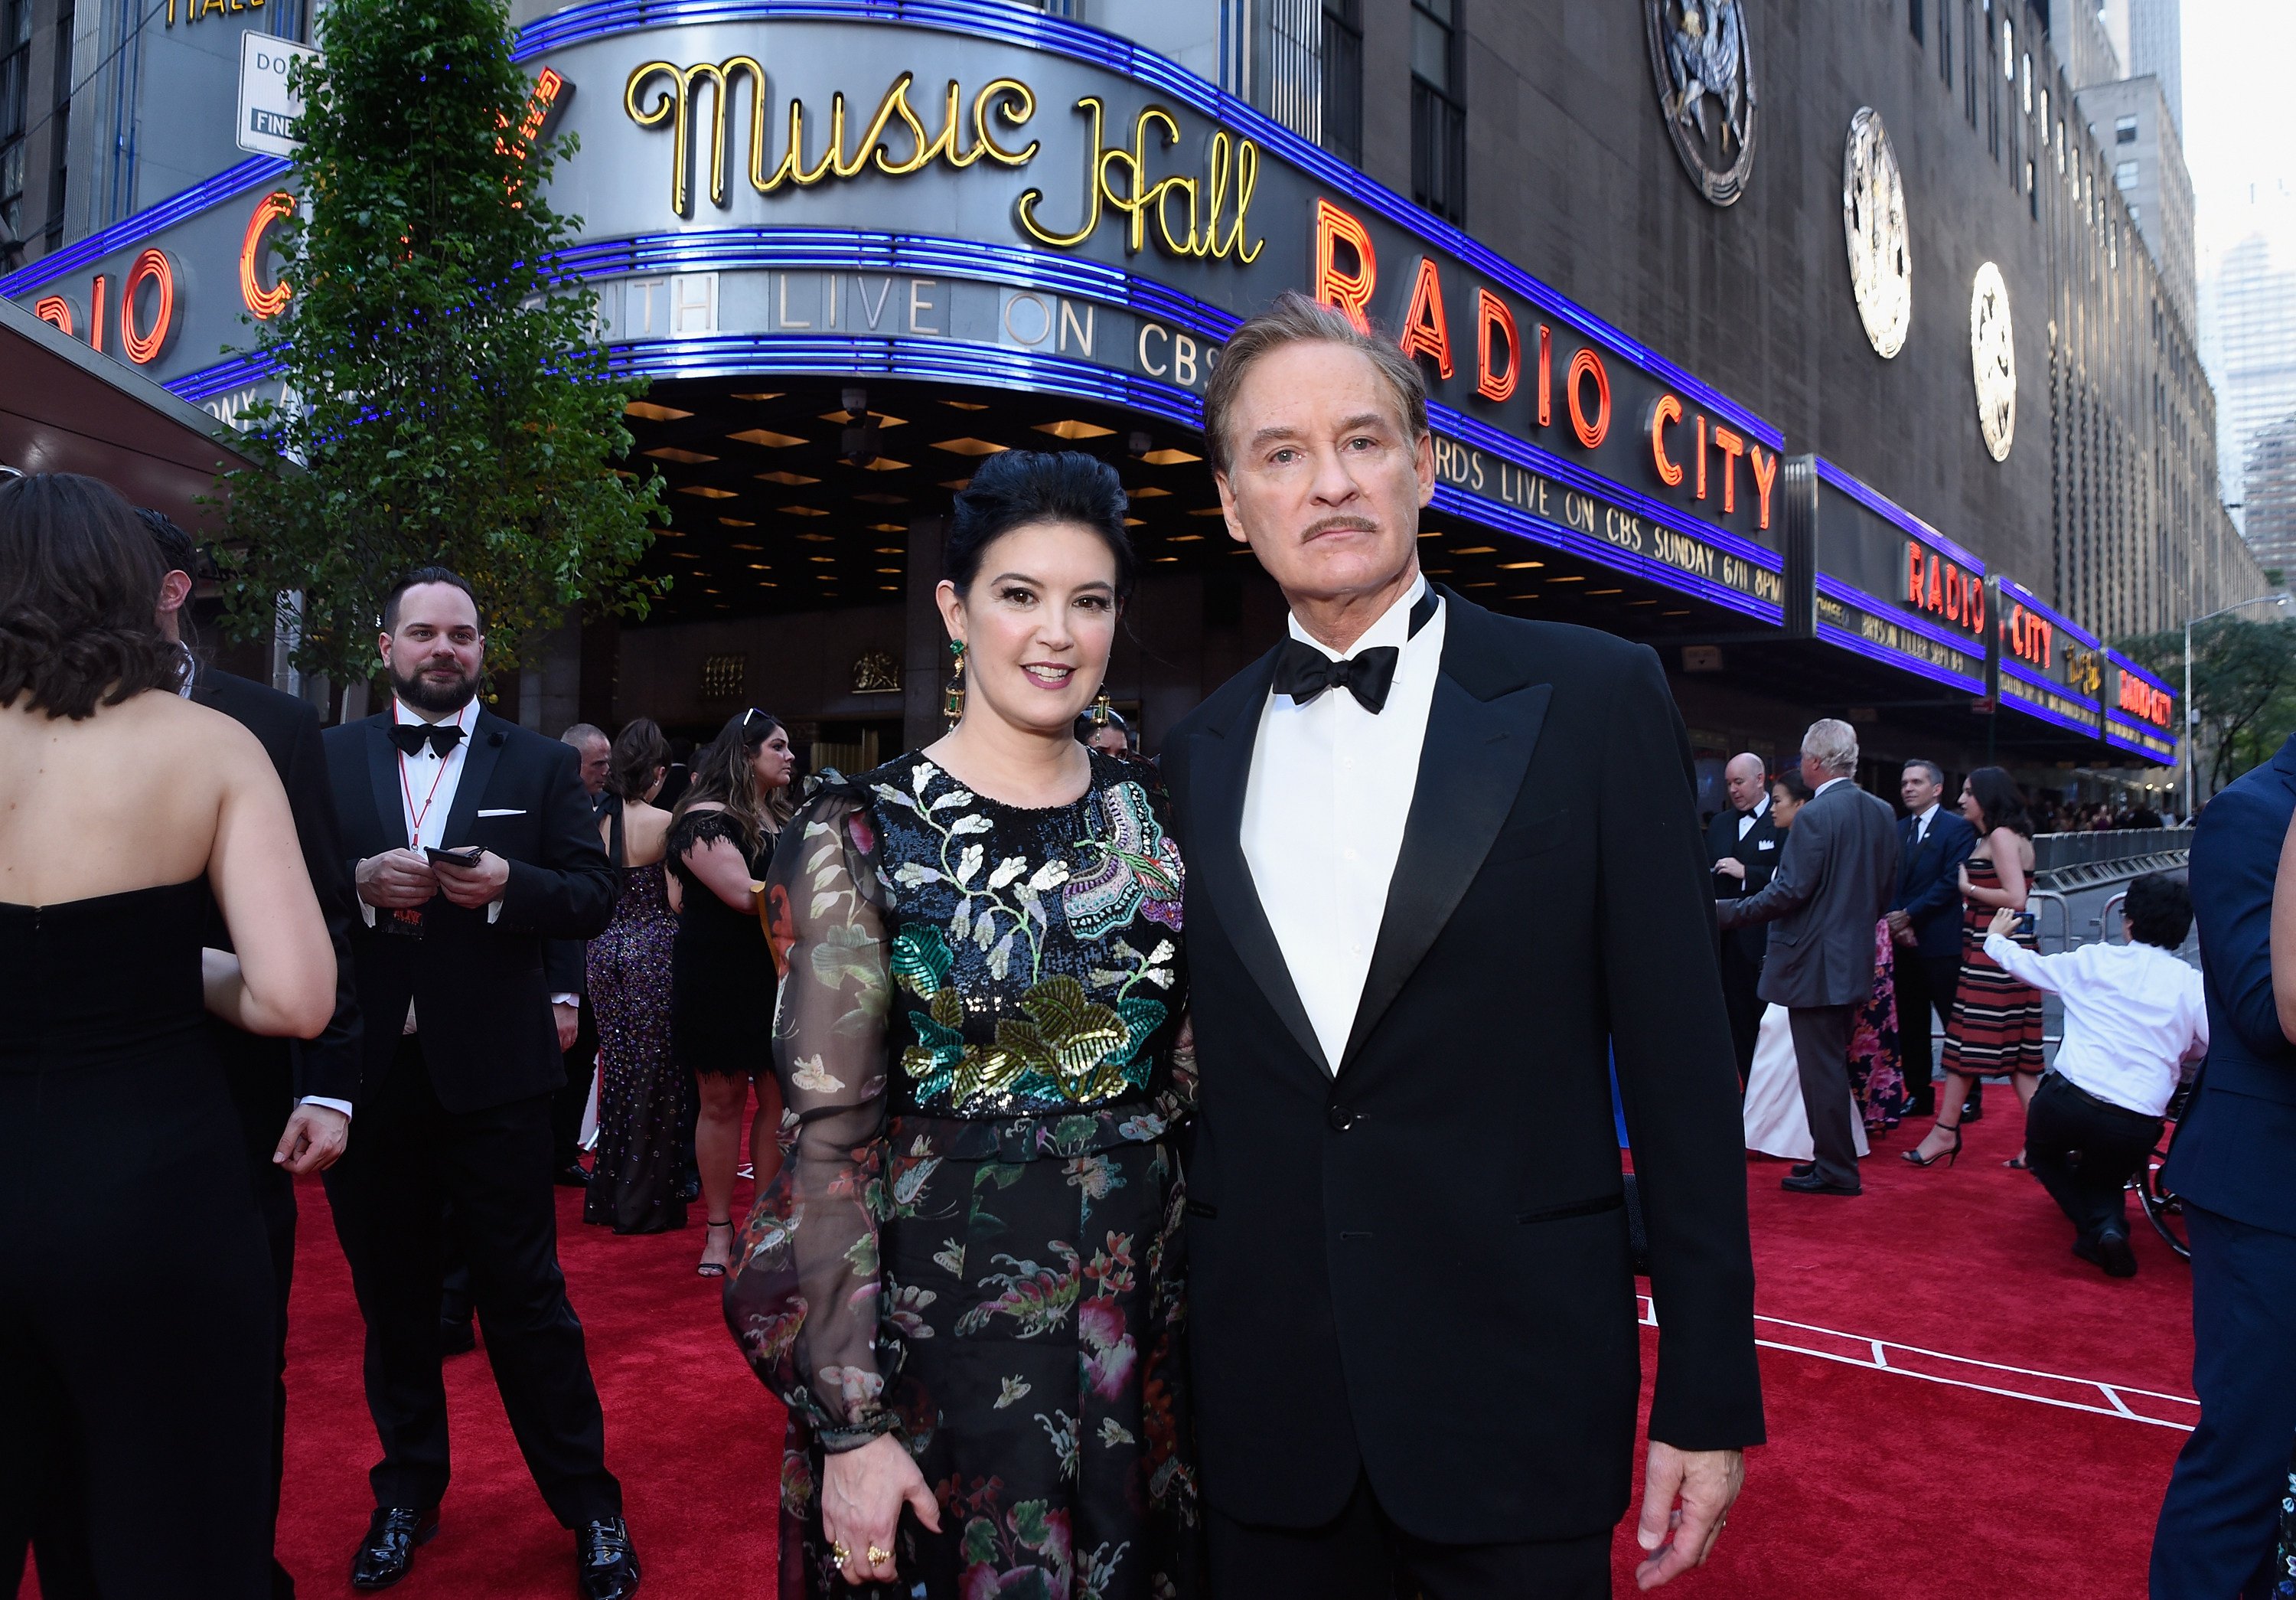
(1009, 99)
(1201, 236)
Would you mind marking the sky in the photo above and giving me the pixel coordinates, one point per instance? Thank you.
(2237, 127)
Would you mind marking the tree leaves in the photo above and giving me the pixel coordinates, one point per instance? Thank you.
(2243, 687)
(449, 404)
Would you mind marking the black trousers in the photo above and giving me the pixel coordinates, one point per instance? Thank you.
(411, 1157)
(1361, 1555)
(566, 1106)
(2083, 1149)
(1742, 976)
(1821, 1040)
(2219, 1521)
(1926, 985)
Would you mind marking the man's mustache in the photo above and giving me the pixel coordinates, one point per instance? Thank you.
(1335, 524)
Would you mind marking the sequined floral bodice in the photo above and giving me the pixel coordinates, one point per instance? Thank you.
(1027, 962)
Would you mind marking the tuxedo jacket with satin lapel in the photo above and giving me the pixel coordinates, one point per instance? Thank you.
(2236, 1149)
(481, 997)
(1929, 880)
(1418, 1269)
(269, 1074)
(1835, 878)
(1759, 850)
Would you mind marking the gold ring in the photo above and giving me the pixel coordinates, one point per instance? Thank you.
(839, 1553)
(879, 1557)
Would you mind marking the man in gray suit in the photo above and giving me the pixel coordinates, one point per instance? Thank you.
(1834, 879)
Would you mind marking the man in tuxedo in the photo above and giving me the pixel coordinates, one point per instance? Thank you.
(567, 963)
(294, 1099)
(1834, 879)
(2234, 1151)
(461, 1063)
(1926, 922)
(1742, 842)
(1442, 863)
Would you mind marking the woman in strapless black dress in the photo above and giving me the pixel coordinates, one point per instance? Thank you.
(135, 1333)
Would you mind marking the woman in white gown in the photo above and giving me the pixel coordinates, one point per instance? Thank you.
(1777, 1124)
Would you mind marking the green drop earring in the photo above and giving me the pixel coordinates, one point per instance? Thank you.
(952, 705)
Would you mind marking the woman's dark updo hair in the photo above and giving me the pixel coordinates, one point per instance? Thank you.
(79, 579)
(1998, 800)
(640, 751)
(1019, 488)
(1797, 787)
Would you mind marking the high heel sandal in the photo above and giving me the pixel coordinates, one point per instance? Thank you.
(713, 1269)
(1947, 1156)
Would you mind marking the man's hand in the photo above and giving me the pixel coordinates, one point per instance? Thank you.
(2004, 922)
(1730, 866)
(472, 887)
(316, 1138)
(569, 1019)
(1901, 923)
(1680, 1537)
(396, 879)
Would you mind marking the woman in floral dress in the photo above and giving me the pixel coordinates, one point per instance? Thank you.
(965, 1285)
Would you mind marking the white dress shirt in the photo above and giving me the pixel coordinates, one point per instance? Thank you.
(1325, 807)
(1922, 820)
(1829, 784)
(1747, 819)
(2134, 1015)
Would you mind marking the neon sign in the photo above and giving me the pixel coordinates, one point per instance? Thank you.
(264, 303)
(2149, 705)
(1943, 588)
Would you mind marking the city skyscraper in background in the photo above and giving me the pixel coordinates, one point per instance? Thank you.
(2156, 49)
(2248, 330)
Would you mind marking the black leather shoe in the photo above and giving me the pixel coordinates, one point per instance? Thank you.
(1803, 1168)
(457, 1338)
(605, 1561)
(573, 1175)
(390, 1544)
(1812, 1184)
(2111, 1253)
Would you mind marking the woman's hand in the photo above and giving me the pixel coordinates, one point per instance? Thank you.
(1966, 890)
(2282, 937)
(862, 1493)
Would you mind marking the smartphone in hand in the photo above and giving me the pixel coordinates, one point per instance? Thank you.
(469, 857)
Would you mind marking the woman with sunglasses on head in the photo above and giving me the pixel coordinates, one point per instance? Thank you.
(721, 838)
(965, 1284)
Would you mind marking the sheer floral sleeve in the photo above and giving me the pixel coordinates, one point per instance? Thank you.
(803, 1299)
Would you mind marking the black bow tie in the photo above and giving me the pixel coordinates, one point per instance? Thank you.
(1303, 672)
(411, 736)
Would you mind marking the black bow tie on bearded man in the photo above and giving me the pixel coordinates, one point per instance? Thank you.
(411, 736)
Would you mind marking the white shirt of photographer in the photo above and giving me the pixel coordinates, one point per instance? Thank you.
(1325, 809)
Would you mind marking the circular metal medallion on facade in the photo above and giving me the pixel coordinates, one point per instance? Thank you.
(1873, 224)
(1704, 64)
(1993, 361)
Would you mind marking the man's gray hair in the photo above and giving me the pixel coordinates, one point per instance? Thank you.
(1936, 772)
(1832, 744)
(582, 733)
(1295, 319)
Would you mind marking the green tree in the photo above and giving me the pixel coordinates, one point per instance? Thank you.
(2243, 687)
(445, 400)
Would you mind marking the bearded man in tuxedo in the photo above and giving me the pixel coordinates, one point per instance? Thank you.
(1416, 1358)
(473, 844)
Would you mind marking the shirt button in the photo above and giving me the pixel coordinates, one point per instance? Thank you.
(1348, 854)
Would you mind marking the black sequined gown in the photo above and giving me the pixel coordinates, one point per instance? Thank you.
(975, 1240)
(640, 1086)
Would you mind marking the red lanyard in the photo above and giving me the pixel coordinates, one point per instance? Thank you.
(407, 789)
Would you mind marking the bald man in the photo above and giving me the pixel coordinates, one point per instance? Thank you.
(1743, 843)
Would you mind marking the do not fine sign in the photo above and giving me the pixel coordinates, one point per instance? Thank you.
(267, 109)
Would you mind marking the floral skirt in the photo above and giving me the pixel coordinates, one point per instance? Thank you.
(1035, 1310)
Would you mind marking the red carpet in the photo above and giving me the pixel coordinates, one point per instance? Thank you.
(1877, 1485)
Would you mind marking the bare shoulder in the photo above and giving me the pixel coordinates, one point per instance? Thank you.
(197, 734)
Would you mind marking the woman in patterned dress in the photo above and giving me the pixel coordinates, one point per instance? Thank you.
(634, 1187)
(1996, 1025)
(965, 1284)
